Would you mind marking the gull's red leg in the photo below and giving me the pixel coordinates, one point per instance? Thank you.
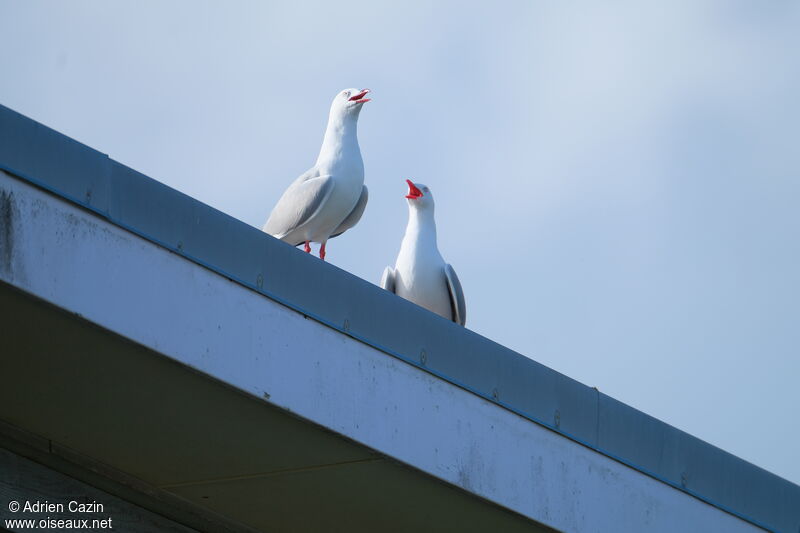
(322, 252)
(307, 248)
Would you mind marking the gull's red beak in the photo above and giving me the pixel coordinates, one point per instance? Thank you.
(413, 192)
(359, 98)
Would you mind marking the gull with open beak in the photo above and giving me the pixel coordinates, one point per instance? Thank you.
(420, 273)
(330, 197)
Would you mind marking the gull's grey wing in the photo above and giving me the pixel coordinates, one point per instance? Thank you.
(299, 203)
(456, 293)
(387, 280)
(355, 215)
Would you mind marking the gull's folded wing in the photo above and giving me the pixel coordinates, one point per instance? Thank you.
(355, 215)
(388, 280)
(457, 302)
(301, 201)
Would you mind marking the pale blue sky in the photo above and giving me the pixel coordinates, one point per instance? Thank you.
(616, 186)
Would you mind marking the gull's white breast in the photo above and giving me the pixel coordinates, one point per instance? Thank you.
(420, 277)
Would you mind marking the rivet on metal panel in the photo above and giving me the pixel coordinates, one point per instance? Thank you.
(346, 325)
(557, 418)
(495, 394)
(260, 281)
(423, 357)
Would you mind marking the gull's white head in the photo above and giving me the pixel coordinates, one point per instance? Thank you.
(349, 101)
(419, 196)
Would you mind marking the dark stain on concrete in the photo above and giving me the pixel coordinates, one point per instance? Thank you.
(6, 230)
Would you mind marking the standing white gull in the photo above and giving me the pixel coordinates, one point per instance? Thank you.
(330, 197)
(420, 273)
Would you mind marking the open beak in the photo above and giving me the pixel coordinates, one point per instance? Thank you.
(359, 98)
(413, 192)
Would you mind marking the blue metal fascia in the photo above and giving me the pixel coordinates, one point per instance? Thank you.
(361, 310)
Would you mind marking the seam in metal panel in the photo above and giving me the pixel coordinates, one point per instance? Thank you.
(261, 475)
